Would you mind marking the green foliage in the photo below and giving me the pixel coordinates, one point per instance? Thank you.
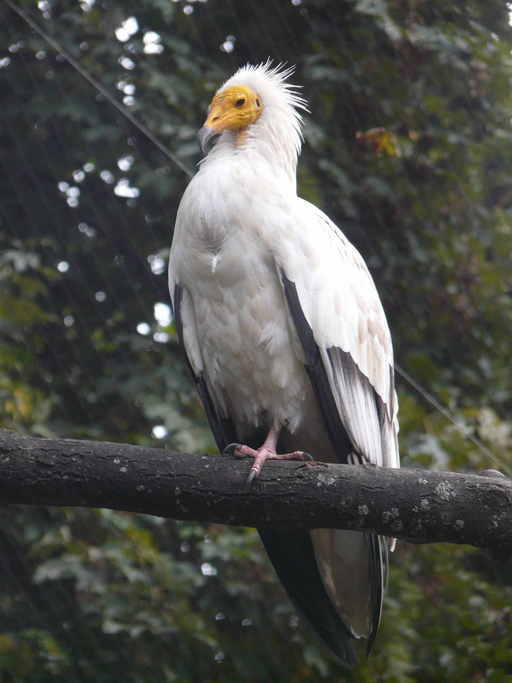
(87, 203)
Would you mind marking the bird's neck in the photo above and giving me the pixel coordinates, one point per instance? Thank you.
(269, 146)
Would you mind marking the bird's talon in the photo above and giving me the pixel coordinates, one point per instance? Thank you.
(252, 476)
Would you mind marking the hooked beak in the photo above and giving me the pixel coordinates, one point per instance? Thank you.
(206, 135)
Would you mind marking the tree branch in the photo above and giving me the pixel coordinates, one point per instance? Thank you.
(419, 505)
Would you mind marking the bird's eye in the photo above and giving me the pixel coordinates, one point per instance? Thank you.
(240, 102)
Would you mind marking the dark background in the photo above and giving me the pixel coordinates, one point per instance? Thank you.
(88, 348)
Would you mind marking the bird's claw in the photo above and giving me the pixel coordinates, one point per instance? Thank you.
(252, 476)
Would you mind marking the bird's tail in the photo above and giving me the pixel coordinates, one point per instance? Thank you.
(336, 579)
(292, 555)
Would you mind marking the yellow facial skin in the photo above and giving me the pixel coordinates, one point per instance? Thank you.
(232, 109)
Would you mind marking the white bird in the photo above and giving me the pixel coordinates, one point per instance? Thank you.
(286, 338)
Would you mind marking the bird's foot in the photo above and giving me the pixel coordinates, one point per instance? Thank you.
(240, 450)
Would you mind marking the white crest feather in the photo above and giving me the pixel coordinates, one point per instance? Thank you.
(266, 74)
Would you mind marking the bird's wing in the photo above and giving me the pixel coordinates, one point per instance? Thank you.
(222, 427)
(347, 352)
(338, 317)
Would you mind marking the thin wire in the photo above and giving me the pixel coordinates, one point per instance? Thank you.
(446, 413)
(100, 88)
(172, 157)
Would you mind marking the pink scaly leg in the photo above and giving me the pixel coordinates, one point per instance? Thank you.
(267, 451)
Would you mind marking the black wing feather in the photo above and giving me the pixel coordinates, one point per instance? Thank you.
(223, 429)
(315, 368)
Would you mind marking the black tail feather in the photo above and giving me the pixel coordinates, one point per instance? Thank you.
(292, 555)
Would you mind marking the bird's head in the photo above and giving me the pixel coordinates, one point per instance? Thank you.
(257, 113)
(233, 108)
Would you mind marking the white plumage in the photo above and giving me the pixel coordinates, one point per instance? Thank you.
(284, 330)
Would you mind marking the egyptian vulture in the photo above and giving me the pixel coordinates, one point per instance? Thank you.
(286, 338)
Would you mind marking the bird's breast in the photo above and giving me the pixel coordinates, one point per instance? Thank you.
(211, 236)
(249, 349)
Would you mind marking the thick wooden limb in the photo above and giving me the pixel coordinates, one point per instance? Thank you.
(419, 505)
